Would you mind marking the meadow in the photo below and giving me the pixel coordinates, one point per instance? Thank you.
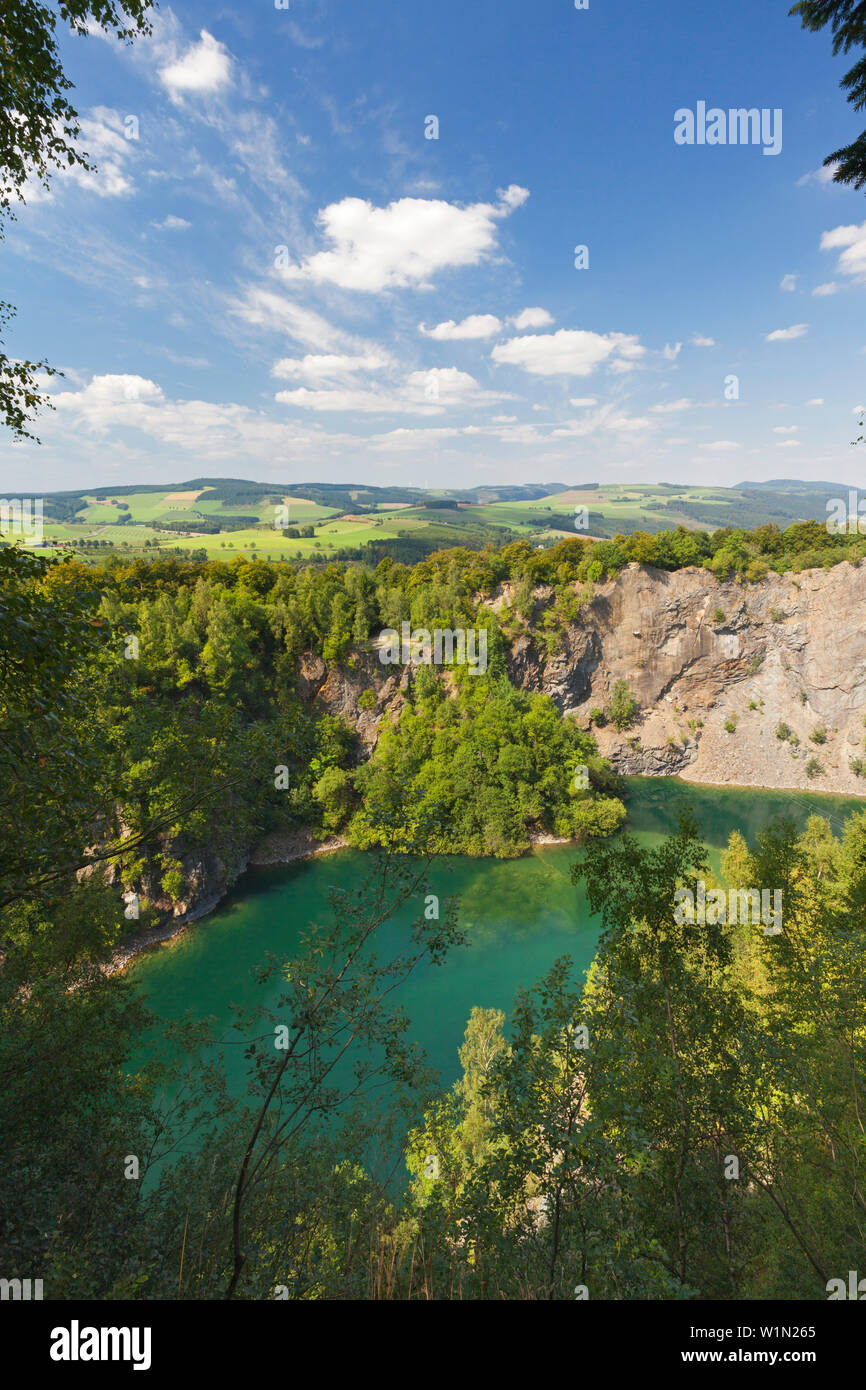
(336, 521)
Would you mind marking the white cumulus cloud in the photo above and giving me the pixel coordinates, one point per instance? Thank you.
(569, 352)
(219, 431)
(851, 240)
(476, 326)
(405, 243)
(532, 318)
(204, 67)
(172, 224)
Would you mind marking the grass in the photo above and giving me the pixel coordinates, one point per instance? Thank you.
(164, 506)
(612, 508)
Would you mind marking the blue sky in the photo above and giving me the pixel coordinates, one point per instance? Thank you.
(283, 278)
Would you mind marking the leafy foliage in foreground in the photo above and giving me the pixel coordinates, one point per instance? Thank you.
(686, 1125)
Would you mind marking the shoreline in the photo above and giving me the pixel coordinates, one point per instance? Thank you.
(810, 790)
(290, 847)
(293, 846)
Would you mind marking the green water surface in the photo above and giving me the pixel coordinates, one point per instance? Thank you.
(519, 916)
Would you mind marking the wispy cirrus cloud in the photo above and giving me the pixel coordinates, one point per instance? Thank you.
(422, 393)
(264, 308)
(823, 177)
(322, 367)
(787, 335)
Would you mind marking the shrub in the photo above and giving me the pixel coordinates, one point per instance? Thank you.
(858, 767)
(731, 724)
(333, 792)
(366, 699)
(718, 615)
(819, 734)
(172, 883)
(623, 705)
(596, 716)
(783, 731)
(814, 768)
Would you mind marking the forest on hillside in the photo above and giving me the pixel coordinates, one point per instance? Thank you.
(685, 1126)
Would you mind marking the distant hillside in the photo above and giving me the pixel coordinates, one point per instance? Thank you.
(222, 517)
(793, 485)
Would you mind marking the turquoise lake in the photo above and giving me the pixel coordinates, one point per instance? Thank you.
(519, 916)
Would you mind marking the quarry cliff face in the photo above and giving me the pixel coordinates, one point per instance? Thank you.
(785, 654)
(719, 670)
(789, 650)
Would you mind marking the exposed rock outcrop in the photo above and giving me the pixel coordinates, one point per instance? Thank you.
(789, 649)
(340, 691)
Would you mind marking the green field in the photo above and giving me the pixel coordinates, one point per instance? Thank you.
(653, 507)
(351, 516)
(163, 506)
